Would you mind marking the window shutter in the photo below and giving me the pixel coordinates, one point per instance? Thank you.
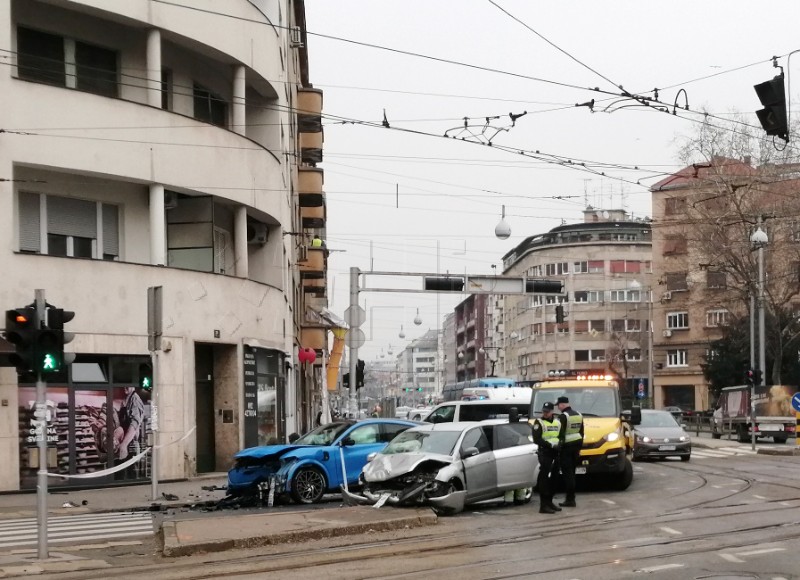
(110, 229)
(71, 217)
(29, 223)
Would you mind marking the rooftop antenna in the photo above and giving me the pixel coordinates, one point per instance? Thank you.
(586, 193)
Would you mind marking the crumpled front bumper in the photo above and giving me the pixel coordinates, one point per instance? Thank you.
(452, 502)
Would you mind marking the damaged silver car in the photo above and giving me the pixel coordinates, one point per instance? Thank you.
(447, 466)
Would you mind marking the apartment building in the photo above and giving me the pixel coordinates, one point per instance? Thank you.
(605, 264)
(152, 144)
(417, 370)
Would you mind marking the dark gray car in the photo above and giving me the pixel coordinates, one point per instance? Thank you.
(660, 435)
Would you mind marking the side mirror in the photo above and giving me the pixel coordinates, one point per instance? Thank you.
(470, 452)
(371, 456)
(346, 442)
(636, 416)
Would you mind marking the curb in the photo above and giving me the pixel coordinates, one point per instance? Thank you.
(772, 451)
(171, 547)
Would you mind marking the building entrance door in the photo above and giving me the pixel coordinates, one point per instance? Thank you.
(204, 407)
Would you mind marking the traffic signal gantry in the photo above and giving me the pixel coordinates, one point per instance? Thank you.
(39, 338)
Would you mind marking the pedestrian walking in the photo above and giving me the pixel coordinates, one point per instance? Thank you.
(570, 437)
(545, 435)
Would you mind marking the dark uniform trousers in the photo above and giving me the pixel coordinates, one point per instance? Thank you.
(568, 459)
(548, 471)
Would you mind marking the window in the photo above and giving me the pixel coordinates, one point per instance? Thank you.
(475, 438)
(66, 226)
(557, 269)
(717, 317)
(625, 296)
(677, 358)
(166, 89)
(365, 435)
(716, 280)
(209, 107)
(674, 205)
(794, 231)
(674, 244)
(390, 430)
(596, 266)
(595, 296)
(581, 326)
(677, 320)
(556, 299)
(66, 62)
(625, 266)
(677, 282)
(580, 267)
(596, 355)
(581, 296)
(512, 435)
(597, 325)
(633, 355)
(626, 325)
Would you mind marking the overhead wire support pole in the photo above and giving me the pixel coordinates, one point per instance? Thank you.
(353, 344)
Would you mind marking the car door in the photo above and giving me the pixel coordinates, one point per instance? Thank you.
(480, 473)
(356, 444)
(515, 455)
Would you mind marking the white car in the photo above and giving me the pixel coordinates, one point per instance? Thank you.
(419, 414)
(450, 465)
(401, 412)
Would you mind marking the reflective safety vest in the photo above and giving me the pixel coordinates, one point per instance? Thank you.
(550, 429)
(573, 431)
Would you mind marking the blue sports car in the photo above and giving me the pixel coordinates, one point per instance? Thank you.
(312, 465)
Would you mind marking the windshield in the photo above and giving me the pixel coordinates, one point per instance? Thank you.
(664, 419)
(441, 442)
(323, 435)
(589, 401)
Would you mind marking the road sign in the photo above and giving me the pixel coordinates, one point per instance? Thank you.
(355, 315)
(640, 395)
(355, 338)
(641, 387)
(796, 402)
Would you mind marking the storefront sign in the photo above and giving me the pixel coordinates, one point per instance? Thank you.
(250, 398)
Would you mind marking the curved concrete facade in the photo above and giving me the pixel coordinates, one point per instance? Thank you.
(164, 154)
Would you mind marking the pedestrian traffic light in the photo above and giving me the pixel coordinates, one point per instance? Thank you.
(346, 380)
(749, 377)
(773, 116)
(360, 373)
(559, 314)
(22, 331)
(146, 376)
(419, 388)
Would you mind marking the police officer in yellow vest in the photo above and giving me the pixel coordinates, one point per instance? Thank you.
(545, 435)
(570, 437)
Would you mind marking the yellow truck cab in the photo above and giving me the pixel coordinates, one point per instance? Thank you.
(608, 436)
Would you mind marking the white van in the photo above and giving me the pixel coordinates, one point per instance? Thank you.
(455, 411)
(513, 394)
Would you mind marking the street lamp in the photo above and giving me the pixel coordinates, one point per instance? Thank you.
(494, 360)
(502, 230)
(759, 239)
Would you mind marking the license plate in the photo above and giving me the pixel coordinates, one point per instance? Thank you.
(666, 448)
(770, 427)
(580, 471)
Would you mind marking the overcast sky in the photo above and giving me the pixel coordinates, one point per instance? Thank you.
(451, 191)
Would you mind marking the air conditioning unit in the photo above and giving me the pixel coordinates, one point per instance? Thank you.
(296, 38)
(257, 233)
(667, 333)
(666, 296)
(170, 200)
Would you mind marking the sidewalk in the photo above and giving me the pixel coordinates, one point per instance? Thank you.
(126, 498)
(704, 440)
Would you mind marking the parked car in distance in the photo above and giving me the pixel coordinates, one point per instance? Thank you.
(402, 412)
(447, 466)
(660, 435)
(419, 414)
(312, 466)
(676, 412)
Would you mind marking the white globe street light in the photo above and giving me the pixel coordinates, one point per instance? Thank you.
(417, 319)
(502, 230)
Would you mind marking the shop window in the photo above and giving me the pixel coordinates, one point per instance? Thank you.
(88, 372)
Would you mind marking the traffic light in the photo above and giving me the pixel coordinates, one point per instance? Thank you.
(346, 380)
(419, 389)
(445, 284)
(749, 377)
(544, 286)
(758, 377)
(360, 373)
(559, 314)
(773, 116)
(22, 331)
(146, 376)
(50, 356)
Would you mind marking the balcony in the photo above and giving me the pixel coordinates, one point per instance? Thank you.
(311, 337)
(313, 217)
(309, 183)
(314, 264)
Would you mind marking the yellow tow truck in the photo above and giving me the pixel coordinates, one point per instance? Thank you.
(608, 434)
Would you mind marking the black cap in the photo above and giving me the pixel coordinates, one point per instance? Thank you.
(562, 400)
(548, 406)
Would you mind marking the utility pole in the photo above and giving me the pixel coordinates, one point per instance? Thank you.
(154, 331)
(41, 415)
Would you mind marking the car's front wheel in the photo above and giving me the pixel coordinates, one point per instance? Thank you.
(308, 485)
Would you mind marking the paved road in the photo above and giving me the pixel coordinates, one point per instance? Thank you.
(66, 530)
(733, 516)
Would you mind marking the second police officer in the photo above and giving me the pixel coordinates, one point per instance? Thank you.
(545, 435)
(570, 437)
